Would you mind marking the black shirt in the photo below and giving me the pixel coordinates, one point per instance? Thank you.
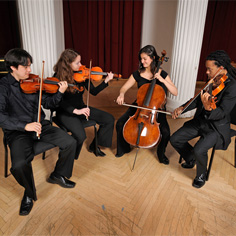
(141, 81)
(73, 101)
(17, 108)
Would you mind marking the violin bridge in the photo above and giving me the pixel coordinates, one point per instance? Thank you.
(152, 117)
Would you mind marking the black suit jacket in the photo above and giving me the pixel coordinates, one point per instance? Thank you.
(220, 117)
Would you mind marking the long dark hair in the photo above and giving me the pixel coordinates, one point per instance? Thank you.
(151, 52)
(221, 58)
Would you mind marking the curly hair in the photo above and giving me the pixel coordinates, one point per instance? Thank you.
(63, 68)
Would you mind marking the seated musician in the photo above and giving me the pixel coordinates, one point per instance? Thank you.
(18, 116)
(148, 60)
(212, 125)
(72, 109)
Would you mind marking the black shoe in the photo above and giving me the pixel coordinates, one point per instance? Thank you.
(165, 160)
(198, 182)
(119, 154)
(189, 164)
(122, 153)
(61, 180)
(26, 205)
(99, 152)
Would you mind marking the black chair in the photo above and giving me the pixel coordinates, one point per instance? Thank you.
(39, 147)
(232, 134)
(3, 70)
(85, 123)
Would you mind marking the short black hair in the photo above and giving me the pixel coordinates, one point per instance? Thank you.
(16, 57)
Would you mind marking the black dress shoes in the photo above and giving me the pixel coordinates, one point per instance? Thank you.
(26, 205)
(60, 180)
(198, 182)
(164, 160)
(98, 153)
(122, 153)
(189, 164)
(119, 154)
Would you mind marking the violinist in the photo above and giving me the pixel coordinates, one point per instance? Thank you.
(73, 110)
(211, 125)
(18, 113)
(148, 61)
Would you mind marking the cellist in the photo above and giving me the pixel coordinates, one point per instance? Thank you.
(18, 113)
(148, 60)
(211, 125)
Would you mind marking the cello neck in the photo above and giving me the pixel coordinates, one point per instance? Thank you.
(149, 93)
(151, 87)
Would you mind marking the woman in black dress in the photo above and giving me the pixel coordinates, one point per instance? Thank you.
(148, 60)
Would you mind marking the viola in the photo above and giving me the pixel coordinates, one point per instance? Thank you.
(221, 85)
(50, 84)
(215, 91)
(96, 74)
(142, 129)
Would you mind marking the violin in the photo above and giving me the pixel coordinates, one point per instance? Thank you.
(217, 90)
(96, 74)
(142, 129)
(50, 84)
(221, 85)
(214, 92)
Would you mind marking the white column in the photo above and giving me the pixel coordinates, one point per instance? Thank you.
(42, 32)
(190, 23)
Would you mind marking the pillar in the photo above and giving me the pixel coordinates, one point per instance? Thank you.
(189, 29)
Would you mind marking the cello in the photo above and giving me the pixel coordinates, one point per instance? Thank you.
(142, 129)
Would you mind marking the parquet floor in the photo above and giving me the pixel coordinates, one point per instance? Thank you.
(109, 199)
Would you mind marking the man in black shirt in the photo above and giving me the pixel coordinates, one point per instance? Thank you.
(211, 124)
(18, 115)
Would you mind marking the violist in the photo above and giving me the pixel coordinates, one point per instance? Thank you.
(148, 61)
(211, 125)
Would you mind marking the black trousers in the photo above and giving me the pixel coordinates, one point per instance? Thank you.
(22, 153)
(208, 138)
(123, 146)
(73, 124)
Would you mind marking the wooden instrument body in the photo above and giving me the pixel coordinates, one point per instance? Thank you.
(142, 129)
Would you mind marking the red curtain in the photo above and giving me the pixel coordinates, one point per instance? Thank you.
(108, 32)
(9, 27)
(219, 33)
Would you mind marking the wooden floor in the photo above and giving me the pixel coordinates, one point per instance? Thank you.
(109, 199)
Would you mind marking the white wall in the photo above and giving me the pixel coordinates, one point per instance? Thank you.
(158, 26)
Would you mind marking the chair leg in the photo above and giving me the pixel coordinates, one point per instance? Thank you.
(210, 164)
(235, 152)
(96, 140)
(43, 156)
(180, 159)
(6, 157)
